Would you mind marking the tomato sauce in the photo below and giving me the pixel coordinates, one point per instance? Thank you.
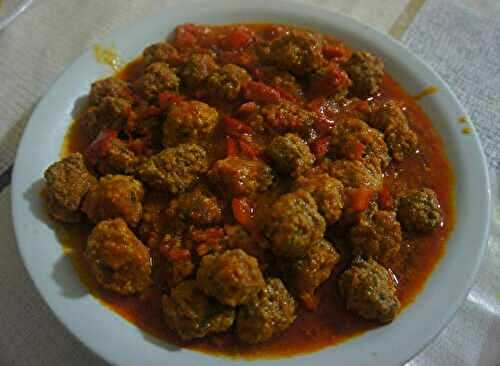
(330, 323)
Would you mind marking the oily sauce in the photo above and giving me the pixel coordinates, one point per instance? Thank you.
(330, 323)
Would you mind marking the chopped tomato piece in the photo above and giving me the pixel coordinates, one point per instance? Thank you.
(178, 254)
(100, 146)
(261, 92)
(358, 150)
(232, 146)
(243, 212)
(360, 198)
(165, 99)
(248, 149)
(235, 127)
(237, 39)
(320, 147)
(385, 198)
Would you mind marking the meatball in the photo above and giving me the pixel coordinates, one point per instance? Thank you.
(297, 51)
(377, 235)
(174, 169)
(189, 121)
(236, 176)
(68, 181)
(400, 139)
(197, 207)
(111, 113)
(328, 193)
(115, 196)
(238, 238)
(355, 174)
(153, 223)
(109, 87)
(197, 69)
(304, 275)
(227, 82)
(281, 80)
(366, 72)
(157, 78)
(419, 210)
(118, 260)
(290, 155)
(294, 224)
(232, 277)
(161, 52)
(369, 290)
(287, 117)
(353, 139)
(190, 314)
(331, 81)
(110, 155)
(269, 312)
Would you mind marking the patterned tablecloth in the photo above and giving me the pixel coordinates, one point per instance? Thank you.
(459, 39)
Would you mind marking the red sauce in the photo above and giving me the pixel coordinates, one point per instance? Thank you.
(330, 323)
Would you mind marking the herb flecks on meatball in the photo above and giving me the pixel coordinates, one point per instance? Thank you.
(419, 210)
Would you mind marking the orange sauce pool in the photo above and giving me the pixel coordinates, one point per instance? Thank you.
(330, 324)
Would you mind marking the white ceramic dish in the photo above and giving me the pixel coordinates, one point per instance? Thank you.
(10, 9)
(120, 342)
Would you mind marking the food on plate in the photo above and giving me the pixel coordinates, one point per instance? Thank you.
(253, 190)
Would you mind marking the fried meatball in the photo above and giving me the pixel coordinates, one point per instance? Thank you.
(109, 87)
(294, 224)
(115, 196)
(297, 51)
(235, 176)
(157, 78)
(153, 223)
(118, 260)
(419, 210)
(269, 312)
(227, 82)
(377, 235)
(366, 72)
(111, 156)
(304, 275)
(353, 139)
(111, 113)
(232, 277)
(400, 139)
(162, 52)
(290, 155)
(328, 193)
(197, 207)
(369, 290)
(174, 169)
(67, 183)
(189, 121)
(355, 174)
(281, 80)
(197, 69)
(191, 314)
(286, 117)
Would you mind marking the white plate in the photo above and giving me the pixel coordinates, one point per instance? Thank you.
(10, 9)
(120, 342)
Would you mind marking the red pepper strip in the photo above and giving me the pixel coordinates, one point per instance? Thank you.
(165, 99)
(260, 92)
(385, 198)
(320, 146)
(232, 146)
(178, 254)
(285, 95)
(360, 198)
(248, 149)
(100, 146)
(234, 127)
(242, 211)
(358, 150)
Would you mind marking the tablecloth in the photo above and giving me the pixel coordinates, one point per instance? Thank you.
(35, 48)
